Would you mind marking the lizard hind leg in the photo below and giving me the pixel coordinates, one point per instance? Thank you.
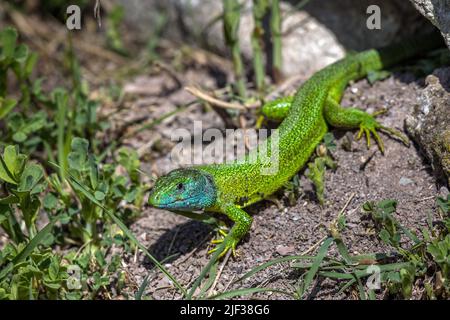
(275, 110)
(353, 118)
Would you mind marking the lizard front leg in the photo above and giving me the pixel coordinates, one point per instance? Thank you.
(242, 223)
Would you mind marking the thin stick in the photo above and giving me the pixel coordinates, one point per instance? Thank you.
(347, 203)
(423, 199)
(219, 103)
(229, 283)
(233, 105)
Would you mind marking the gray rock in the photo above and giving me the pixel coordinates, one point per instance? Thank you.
(443, 192)
(438, 12)
(313, 37)
(429, 125)
(284, 250)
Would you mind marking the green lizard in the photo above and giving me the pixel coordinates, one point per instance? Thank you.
(229, 187)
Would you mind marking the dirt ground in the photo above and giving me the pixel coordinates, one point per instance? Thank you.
(362, 175)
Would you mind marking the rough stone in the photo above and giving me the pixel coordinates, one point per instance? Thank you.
(313, 37)
(438, 12)
(429, 125)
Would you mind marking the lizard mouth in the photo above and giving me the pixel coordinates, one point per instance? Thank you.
(175, 204)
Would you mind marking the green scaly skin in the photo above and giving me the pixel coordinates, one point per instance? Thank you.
(227, 188)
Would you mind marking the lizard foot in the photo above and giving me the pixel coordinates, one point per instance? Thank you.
(370, 126)
(230, 244)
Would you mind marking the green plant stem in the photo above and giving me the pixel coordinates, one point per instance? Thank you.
(275, 25)
(231, 19)
(79, 186)
(61, 115)
(260, 11)
(239, 71)
(28, 249)
(73, 64)
(3, 81)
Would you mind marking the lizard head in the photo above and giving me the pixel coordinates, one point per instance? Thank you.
(183, 189)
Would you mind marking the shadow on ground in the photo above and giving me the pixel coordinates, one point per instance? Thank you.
(180, 240)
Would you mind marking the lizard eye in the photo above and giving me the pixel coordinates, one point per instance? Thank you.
(180, 186)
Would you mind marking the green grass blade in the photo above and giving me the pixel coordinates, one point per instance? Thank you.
(347, 285)
(140, 292)
(410, 234)
(135, 241)
(211, 279)
(142, 287)
(342, 248)
(208, 267)
(242, 292)
(361, 271)
(37, 239)
(338, 275)
(387, 267)
(7, 269)
(315, 266)
(61, 115)
(372, 295)
(271, 263)
(29, 248)
(78, 186)
(362, 292)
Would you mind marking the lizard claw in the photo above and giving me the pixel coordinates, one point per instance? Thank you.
(230, 244)
(369, 126)
(379, 112)
(395, 133)
(221, 233)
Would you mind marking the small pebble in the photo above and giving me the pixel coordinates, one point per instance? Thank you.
(443, 191)
(284, 250)
(405, 181)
